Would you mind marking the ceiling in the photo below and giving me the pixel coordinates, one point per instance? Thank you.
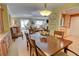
(28, 10)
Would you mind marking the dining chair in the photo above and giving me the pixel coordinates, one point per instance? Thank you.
(59, 34)
(36, 51)
(28, 41)
(15, 32)
(33, 47)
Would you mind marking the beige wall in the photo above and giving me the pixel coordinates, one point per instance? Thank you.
(54, 21)
(15, 22)
(5, 18)
(1, 21)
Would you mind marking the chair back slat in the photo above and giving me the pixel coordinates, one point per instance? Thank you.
(27, 36)
(59, 34)
(40, 52)
(33, 47)
(36, 50)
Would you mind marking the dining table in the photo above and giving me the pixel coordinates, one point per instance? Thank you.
(51, 45)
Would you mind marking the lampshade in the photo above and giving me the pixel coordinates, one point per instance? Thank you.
(45, 12)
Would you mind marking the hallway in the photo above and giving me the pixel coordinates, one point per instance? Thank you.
(18, 48)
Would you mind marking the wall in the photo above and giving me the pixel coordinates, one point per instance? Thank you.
(15, 22)
(1, 20)
(5, 18)
(53, 21)
(55, 17)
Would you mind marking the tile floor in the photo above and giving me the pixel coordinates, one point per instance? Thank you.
(18, 48)
(74, 46)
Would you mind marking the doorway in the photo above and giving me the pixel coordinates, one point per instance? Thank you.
(74, 27)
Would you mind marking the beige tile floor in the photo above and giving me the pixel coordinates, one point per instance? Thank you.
(75, 45)
(18, 48)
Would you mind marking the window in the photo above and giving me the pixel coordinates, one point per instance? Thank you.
(24, 23)
(62, 22)
(38, 24)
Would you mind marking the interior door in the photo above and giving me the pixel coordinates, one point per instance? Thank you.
(74, 28)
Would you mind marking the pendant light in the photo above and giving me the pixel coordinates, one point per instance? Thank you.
(45, 12)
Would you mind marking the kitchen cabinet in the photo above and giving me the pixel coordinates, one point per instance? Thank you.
(5, 42)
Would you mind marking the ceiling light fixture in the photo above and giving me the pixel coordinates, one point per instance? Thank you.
(45, 12)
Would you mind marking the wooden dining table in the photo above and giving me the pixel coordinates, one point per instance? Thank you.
(52, 45)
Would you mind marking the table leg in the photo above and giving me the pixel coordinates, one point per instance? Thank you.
(30, 50)
(65, 50)
(22, 36)
(28, 46)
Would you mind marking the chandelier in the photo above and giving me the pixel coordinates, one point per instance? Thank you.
(45, 12)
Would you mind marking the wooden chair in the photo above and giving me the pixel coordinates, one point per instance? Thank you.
(36, 51)
(33, 47)
(15, 32)
(59, 34)
(28, 41)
